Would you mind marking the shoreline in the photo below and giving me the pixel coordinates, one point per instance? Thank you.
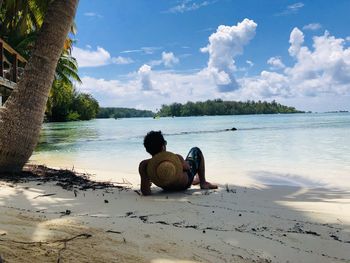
(241, 224)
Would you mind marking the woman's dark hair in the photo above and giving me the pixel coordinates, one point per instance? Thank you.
(154, 142)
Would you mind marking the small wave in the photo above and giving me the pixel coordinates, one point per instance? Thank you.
(199, 132)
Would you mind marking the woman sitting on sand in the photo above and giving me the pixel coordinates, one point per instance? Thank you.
(168, 170)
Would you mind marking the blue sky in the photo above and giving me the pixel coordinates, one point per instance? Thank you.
(143, 53)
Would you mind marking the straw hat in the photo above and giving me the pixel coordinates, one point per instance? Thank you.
(163, 168)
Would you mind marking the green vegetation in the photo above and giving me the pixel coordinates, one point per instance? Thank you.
(64, 104)
(220, 107)
(123, 113)
(20, 22)
(209, 107)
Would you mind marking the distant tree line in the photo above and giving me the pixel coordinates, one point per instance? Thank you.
(220, 107)
(123, 113)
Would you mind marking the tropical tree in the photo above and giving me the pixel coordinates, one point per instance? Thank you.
(20, 21)
(60, 101)
(86, 106)
(22, 115)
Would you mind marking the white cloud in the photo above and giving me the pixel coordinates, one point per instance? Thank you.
(90, 58)
(276, 63)
(150, 50)
(166, 87)
(224, 45)
(266, 85)
(291, 9)
(145, 50)
(131, 51)
(296, 39)
(145, 72)
(312, 26)
(188, 5)
(325, 70)
(92, 14)
(97, 58)
(250, 63)
(122, 60)
(169, 59)
(295, 7)
(108, 87)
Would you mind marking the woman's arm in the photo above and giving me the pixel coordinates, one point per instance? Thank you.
(145, 181)
(185, 165)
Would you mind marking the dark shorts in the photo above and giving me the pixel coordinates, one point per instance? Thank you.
(194, 158)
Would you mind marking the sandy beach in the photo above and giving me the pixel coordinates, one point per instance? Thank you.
(43, 222)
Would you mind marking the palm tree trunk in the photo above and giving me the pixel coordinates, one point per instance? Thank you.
(22, 115)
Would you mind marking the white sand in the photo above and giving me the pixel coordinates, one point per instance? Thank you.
(267, 224)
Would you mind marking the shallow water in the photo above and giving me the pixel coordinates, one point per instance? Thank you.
(297, 149)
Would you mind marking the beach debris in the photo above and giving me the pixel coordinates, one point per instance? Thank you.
(124, 181)
(113, 231)
(298, 228)
(66, 213)
(162, 222)
(44, 195)
(180, 224)
(67, 179)
(336, 238)
(137, 191)
(106, 201)
(144, 218)
(229, 190)
(312, 233)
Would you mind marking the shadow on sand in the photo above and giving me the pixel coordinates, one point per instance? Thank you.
(43, 222)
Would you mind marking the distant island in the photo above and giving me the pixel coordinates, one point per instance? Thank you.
(209, 107)
(338, 111)
(220, 107)
(111, 112)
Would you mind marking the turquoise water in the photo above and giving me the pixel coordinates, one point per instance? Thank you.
(297, 149)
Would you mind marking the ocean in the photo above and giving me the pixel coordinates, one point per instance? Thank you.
(306, 150)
